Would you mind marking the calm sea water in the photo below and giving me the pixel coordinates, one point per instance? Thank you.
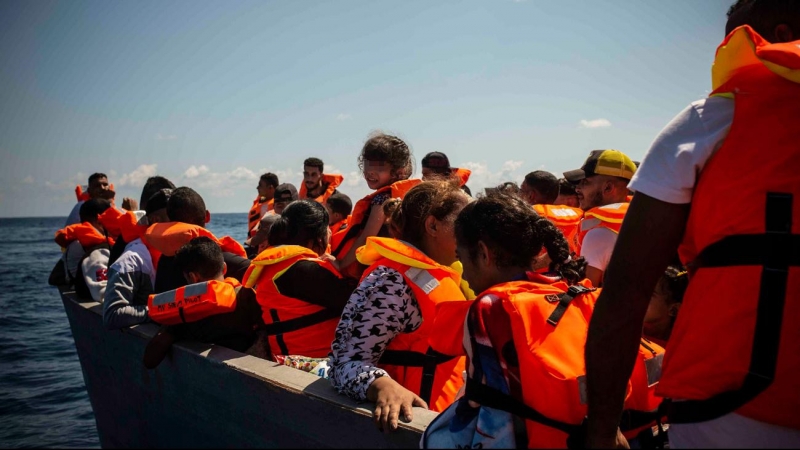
(43, 400)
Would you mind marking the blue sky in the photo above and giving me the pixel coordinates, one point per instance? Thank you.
(212, 94)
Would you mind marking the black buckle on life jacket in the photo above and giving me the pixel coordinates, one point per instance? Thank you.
(776, 250)
(564, 300)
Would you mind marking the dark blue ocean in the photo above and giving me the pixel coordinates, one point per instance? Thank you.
(43, 400)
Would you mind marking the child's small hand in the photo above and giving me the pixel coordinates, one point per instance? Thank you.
(331, 259)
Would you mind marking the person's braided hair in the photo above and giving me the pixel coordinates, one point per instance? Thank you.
(515, 235)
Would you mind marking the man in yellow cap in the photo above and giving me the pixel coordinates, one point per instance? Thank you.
(602, 188)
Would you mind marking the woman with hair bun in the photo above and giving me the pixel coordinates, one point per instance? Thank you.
(385, 348)
(301, 316)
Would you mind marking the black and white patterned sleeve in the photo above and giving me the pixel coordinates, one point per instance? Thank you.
(380, 308)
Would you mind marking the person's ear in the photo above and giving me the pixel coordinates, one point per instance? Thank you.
(431, 226)
(208, 216)
(484, 256)
(224, 269)
(192, 277)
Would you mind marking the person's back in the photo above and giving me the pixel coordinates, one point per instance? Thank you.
(188, 216)
(300, 316)
(728, 389)
(132, 276)
(86, 241)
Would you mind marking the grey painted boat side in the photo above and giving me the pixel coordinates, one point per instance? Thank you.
(208, 396)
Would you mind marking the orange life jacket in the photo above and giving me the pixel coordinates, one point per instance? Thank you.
(735, 345)
(110, 219)
(608, 216)
(294, 327)
(193, 302)
(168, 237)
(357, 221)
(85, 233)
(257, 211)
(462, 175)
(335, 229)
(82, 192)
(549, 324)
(410, 358)
(333, 181)
(565, 218)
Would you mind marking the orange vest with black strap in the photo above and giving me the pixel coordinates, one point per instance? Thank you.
(168, 237)
(332, 181)
(565, 218)
(548, 325)
(735, 346)
(193, 302)
(257, 211)
(294, 327)
(358, 220)
(608, 217)
(85, 233)
(410, 358)
(462, 175)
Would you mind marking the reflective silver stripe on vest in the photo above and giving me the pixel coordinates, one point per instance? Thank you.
(164, 298)
(422, 278)
(196, 290)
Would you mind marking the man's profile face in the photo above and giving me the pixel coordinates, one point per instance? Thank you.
(590, 192)
(265, 189)
(312, 177)
(527, 193)
(99, 188)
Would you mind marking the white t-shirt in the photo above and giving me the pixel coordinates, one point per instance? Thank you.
(670, 168)
(597, 246)
(669, 172)
(95, 272)
(74, 215)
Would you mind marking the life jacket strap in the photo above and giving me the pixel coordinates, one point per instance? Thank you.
(776, 250)
(428, 361)
(564, 301)
(281, 327)
(494, 398)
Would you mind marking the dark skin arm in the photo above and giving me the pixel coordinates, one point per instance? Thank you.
(647, 242)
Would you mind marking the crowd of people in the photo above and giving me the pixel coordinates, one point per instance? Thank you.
(535, 314)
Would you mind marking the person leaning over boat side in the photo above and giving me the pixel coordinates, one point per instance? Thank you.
(230, 322)
(301, 294)
(131, 278)
(389, 319)
(733, 356)
(187, 215)
(386, 164)
(318, 186)
(602, 187)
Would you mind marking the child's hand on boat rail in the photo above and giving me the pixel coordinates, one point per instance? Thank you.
(393, 402)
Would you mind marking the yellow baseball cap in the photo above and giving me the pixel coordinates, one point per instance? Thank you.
(609, 162)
